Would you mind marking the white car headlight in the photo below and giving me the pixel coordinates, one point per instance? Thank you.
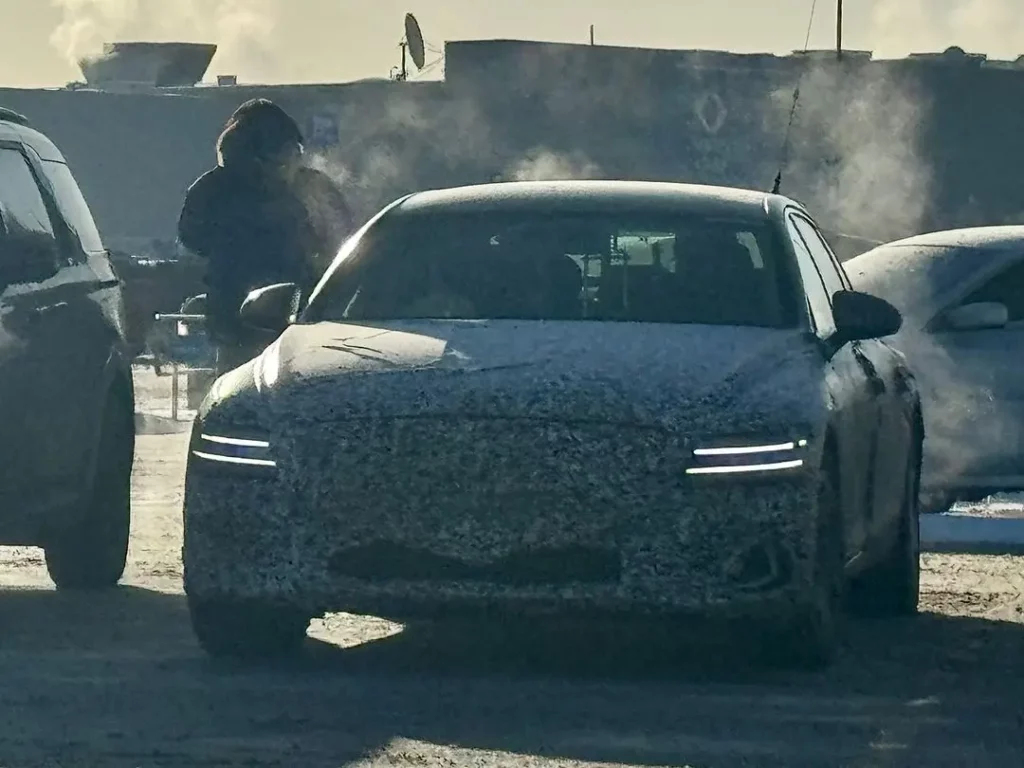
(233, 449)
(744, 457)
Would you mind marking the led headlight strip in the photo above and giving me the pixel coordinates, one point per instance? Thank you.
(741, 459)
(234, 450)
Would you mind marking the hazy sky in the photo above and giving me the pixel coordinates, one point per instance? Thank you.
(337, 40)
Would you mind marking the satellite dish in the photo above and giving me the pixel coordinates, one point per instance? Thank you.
(414, 39)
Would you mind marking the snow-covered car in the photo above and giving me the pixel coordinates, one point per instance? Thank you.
(560, 397)
(961, 293)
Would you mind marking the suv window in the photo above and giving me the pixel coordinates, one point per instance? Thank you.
(817, 297)
(1007, 287)
(23, 211)
(73, 207)
(822, 255)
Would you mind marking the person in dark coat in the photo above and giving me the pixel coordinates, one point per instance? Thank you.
(261, 216)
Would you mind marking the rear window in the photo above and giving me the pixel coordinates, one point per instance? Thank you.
(73, 206)
(533, 266)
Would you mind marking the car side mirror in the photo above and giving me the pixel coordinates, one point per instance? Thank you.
(978, 316)
(26, 259)
(270, 308)
(863, 316)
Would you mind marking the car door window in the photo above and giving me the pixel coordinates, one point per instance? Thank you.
(817, 297)
(23, 211)
(73, 206)
(823, 258)
(1007, 288)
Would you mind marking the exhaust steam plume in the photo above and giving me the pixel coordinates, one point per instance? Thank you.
(856, 156)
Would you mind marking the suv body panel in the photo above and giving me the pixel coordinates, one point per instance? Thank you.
(62, 356)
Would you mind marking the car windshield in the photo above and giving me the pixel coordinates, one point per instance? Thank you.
(535, 266)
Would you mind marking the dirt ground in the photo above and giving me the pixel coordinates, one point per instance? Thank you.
(117, 680)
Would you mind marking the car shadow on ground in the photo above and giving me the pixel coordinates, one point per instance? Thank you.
(935, 649)
(607, 693)
(124, 619)
(935, 646)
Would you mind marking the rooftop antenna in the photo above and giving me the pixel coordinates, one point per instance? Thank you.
(792, 110)
(413, 44)
(839, 30)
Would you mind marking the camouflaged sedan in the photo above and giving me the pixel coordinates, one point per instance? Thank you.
(558, 398)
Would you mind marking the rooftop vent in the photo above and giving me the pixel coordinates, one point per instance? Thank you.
(830, 54)
(155, 65)
(953, 54)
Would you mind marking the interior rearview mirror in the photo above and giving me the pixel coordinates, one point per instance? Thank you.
(270, 308)
(863, 316)
(978, 316)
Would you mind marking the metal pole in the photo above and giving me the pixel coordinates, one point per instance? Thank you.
(591, 34)
(839, 29)
(174, 392)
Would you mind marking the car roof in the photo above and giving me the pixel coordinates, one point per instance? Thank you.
(920, 274)
(16, 127)
(590, 195)
(981, 238)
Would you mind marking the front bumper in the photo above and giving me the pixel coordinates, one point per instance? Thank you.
(708, 546)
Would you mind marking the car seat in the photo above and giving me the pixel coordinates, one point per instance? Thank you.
(719, 284)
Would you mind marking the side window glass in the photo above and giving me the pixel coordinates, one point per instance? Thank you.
(73, 206)
(821, 255)
(23, 212)
(817, 296)
(1007, 288)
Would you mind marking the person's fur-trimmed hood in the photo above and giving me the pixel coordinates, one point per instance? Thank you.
(258, 132)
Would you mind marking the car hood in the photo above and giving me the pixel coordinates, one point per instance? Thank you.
(755, 378)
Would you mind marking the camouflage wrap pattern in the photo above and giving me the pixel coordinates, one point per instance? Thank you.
(474, 461)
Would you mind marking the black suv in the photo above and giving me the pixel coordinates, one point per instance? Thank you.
(67, 432)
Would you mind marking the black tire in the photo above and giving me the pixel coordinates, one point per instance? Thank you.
(92, 553)
(891, 588)
(810, 635)
(228, 629)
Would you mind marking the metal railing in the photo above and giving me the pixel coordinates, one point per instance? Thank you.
(182, 359)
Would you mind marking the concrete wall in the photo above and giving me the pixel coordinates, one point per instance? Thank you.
(133, 155)
(877, 149)
(136, 154)
(880, 149)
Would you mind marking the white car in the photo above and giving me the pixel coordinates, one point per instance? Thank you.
(961, 293)
(548, 398)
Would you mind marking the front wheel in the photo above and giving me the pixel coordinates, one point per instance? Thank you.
(232, 629)
(91, 554)
(891, 588)
(809, 636)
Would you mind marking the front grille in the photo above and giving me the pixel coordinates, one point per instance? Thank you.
(385, 561)
(485, 500)
(449, 457)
